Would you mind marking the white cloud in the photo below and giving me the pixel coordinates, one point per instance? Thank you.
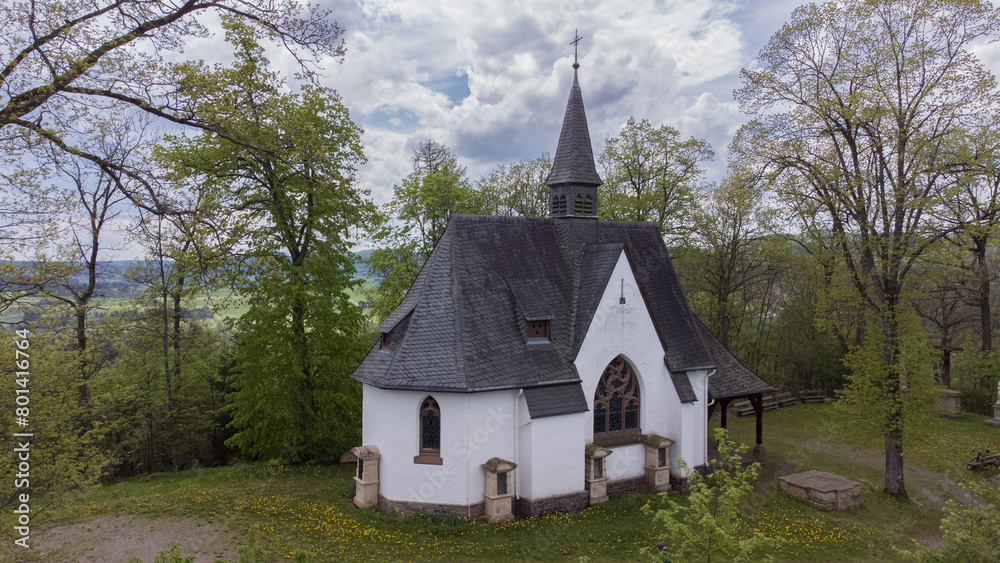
(490, 79)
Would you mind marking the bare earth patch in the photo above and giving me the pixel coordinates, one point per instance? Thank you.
(114, 539)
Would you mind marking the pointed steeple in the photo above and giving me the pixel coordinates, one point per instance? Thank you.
(574, 161)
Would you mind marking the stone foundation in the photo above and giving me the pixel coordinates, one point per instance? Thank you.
(405, 507)
(623, 487)
(526, 507)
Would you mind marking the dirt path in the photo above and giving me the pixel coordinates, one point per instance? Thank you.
(116, 539)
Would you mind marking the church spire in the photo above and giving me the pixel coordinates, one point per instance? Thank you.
(574, 180)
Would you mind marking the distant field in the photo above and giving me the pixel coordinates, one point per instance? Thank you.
(224, 304)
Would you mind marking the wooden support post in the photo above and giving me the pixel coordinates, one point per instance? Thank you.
(724, 405)
(758, 408)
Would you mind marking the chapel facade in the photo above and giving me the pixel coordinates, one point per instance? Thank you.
(540, 364)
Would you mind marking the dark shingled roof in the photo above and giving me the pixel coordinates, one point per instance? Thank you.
(732, 379)
(574, 161)
(552, 400)
(463, 325)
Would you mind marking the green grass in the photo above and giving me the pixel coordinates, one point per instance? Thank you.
(310, 507)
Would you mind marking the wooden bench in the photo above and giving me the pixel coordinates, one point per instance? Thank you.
(785, 399)
(743, 408)
(770, 403)
(812, 396)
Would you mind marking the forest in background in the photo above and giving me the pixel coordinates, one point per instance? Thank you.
(854, 232)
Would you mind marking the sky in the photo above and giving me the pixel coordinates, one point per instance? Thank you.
(490, 79)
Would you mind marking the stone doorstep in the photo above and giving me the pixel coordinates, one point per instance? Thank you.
(823, 490)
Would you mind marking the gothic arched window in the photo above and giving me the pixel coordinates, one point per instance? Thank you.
(578, 205)
(562, 205)
(588, 205)
(430, 433)
(555, 205)
(616, 405)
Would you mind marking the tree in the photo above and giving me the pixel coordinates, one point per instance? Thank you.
(651, 174)
(729, 232)
(64, 62)
(971, 529)
(706, 526)
(858, 103)
(288, 209)
(516, 188)
(422, 206)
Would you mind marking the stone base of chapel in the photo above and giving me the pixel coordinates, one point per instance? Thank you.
(622, 487)
(523, 507)
(439, 510)
(526, 507)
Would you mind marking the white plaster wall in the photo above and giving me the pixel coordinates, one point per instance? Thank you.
(474, 428)
(557, 458)
(522, 475)
(628, 330)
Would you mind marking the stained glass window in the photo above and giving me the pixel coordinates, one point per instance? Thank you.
(616, 401)
(430, 425)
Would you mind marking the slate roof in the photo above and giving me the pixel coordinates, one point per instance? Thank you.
(552, 400)
(462, 327)
(574, 160)
(732, 379)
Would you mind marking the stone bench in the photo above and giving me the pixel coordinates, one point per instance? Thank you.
(823, 490)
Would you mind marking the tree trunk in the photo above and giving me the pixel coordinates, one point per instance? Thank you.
(985, 314)
(894, 464)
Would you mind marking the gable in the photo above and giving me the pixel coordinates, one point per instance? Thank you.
(469, 306)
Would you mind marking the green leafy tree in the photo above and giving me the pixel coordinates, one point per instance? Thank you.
(516, 188)
(971, 530)
(420, 210)
(65, 62)
(706, 524)
(284, 189)
(859, 103)
(651, 174)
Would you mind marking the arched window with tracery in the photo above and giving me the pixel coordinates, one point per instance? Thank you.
(430, 432)
(616, 405)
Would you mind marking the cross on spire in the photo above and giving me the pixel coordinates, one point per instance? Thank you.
(576, 45)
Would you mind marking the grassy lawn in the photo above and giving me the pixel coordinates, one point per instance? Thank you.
(310, 507)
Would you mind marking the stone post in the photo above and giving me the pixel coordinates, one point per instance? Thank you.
(657, 463)
(596, 473)
(366, 476)
(499, 490)
(995, 421)
(949, 403)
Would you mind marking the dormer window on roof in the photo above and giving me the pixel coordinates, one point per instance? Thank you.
(538, 330)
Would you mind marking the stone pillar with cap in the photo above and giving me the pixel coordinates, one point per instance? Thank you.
(995, 421)
(499, 490)
(366, 476)
(657, 463)
(596, 473)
